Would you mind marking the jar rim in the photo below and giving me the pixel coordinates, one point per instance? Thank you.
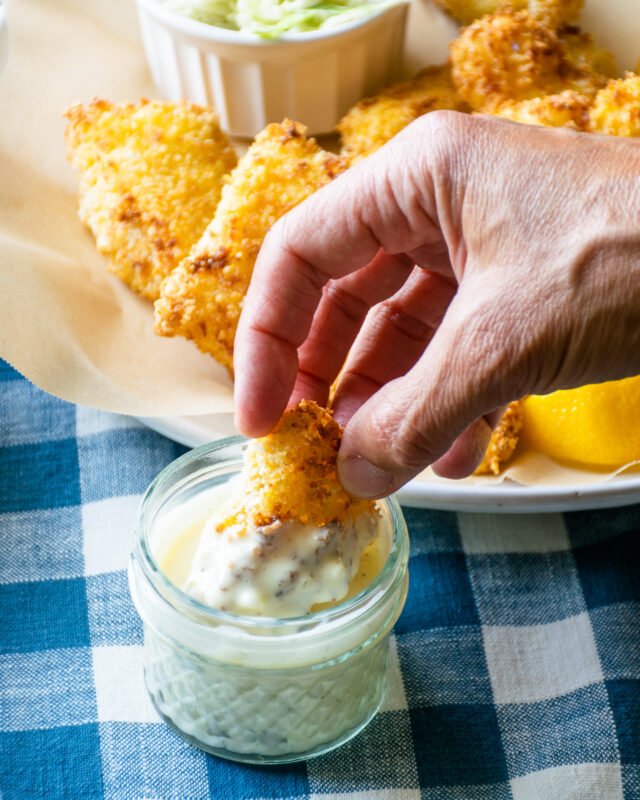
(396, 560)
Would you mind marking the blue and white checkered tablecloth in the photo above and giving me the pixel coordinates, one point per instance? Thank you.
(515, 665)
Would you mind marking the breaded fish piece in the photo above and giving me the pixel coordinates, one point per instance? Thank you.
(504, 441)
(511, 57)
(375, 120)
(553, 12)
(151, 175)
(565, 110)
(616, 108)
(291, 474)
(203, 296)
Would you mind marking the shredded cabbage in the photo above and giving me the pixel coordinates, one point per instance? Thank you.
(272, 18)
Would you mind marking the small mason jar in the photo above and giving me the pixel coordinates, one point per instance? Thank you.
(259, 689)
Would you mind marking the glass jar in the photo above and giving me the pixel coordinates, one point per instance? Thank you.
(259, 689)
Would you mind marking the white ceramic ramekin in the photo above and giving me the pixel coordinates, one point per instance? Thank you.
(312, 77)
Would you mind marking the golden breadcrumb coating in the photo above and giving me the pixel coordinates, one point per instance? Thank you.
(374, 120)
(151, 175)
(510, 57)
(291, 474)
(553, 12)
(203, 296)
(565, 110)
(503, 441)
(616, 108)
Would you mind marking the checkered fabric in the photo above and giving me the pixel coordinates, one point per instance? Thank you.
(515, 665)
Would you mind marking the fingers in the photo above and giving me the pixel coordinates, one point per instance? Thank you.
(468, 369)
(392, 339)
(344, 306)
(387, 202)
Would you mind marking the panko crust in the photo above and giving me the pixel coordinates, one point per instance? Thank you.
(151, 175)
(202, 298)
(504, 441)
(510, 57)
(375, 120)
(616, 108)
(565, 110)
(291, 474)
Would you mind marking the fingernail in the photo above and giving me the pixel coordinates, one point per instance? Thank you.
(361, 478)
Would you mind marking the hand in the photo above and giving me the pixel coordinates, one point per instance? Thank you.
(467, 263)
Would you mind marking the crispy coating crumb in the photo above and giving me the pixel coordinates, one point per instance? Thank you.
(375, 120)
(565, 110)
(554, 12)
(202, 298)
(151, 177)
(291, 474)
(503, 441)
(510, 57)
(616, 109)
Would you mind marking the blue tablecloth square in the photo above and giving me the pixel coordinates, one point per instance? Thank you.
(37, 476)
(548, 587)
(588, 527)
(444, 666)
(434, 532)
(624, 696)
(229, 781)
(112, 617)
(631, 780)
(8, 373)
(576, 728)
(43, 616)
(610, 570)
(41, 545)
(54, 764)
(440, 593)
(458, 745)
(617, 633)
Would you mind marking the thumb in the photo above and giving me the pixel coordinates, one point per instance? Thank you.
(468, 370)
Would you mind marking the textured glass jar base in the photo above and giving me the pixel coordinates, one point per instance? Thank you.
(265, 716)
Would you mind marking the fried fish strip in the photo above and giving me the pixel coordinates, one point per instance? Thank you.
(512, 57)
(504, 441)
(291, 474)
(151, 175)
(375, 120)
(616, 108)
(203, 296)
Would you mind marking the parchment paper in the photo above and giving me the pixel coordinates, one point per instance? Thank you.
(66, 323)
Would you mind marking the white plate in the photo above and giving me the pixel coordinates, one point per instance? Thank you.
(426, 492)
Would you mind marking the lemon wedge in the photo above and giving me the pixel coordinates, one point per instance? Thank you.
(595, 426)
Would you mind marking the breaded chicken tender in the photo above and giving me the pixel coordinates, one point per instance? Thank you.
(504, 441)
(375, 120)
(151, 178)
(594, 65)
(203, 296)
(553, 12)
(616, 108)
(512, 57)
(291, 474)
(565, 110)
